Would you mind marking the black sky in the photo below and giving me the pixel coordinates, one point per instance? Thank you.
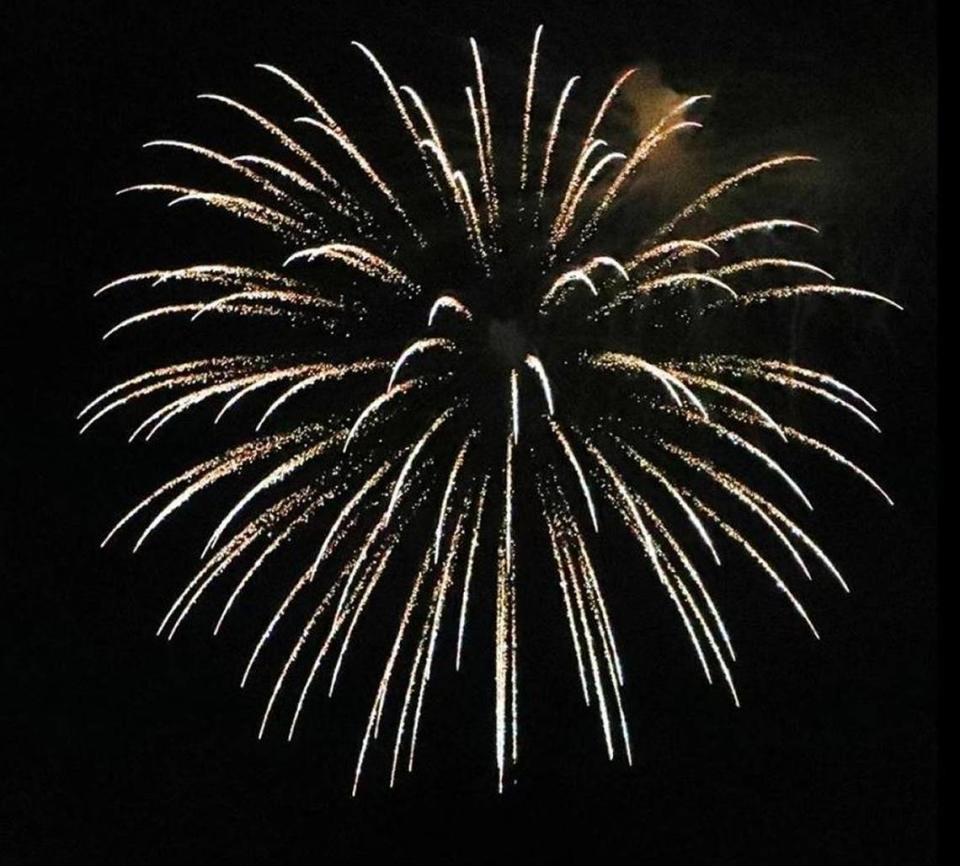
(130, 750)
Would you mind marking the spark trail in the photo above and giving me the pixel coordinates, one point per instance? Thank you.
(421, 367)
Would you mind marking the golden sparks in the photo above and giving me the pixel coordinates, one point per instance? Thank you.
(477, 360)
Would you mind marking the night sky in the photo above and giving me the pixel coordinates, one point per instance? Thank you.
(129, 749)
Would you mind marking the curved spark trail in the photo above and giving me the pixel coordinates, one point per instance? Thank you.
(445, 343)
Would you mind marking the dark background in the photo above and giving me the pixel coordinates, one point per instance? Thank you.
(127, 749)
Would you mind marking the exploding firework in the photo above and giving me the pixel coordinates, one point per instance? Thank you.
(483, 336)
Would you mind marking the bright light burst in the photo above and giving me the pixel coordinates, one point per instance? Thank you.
(483, 339)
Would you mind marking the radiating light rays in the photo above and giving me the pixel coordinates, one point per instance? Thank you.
(199, 469)
(673, 249)
(232, 164)
(216, 273)
(330, 127)
(724, 186)
(483, 135)
(505, 668)
(738, 441)
(447, 302)
(642, 151)
(238, 387)
(334, 535)
(351, 593)
(792, 434)
(572, 457)
(737, 231)
(506, 536)
(210, 472)
(361, 259)
(552, 136)
(373, 722)
(515, 406)
(759, 367)
(578, 186)
(587, 616)
(585, 153)
(288, 142)
(166, 378)
(561, 561)
(354, 153)
(604, 107)
(638, 291)
(631, 501)
(399, 105)
(289, 512)
(484, 113)
(275, 515)
(675, 388)
(677, 496)
(308, 97)
(391, 88)
(460, 192)
(627, 505)
(409, 432)
(283, 171)
(754, 264)
(465, 196)
(337, 200)
(418, 348)
(279, 296)
(451, 483)
(789, 378)
(316, 502)
(296, 307)
(505, 629)
(374, 405)
(324, 374)
(242, 376)
(422, 663)
(431, 628)
(273, 478)
(783, 292)
(555, 292)
(726, 362)
(711, 625)
(639, 155)
(412, 457)
(751, 551)
(528, 108)
(237, 205)
(535, 364)
(471, 557)
(762, 507)
(713, 385)
(195, 309)
(482, 156)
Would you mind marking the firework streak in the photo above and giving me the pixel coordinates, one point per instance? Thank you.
(432, 420)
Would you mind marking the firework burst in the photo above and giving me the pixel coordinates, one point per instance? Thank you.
(485, 337)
